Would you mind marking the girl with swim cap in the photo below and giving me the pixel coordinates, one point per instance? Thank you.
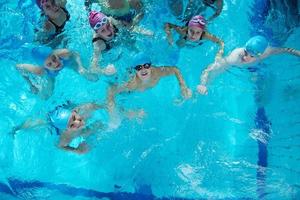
(147, 76)
(51, 63)
(255, 50)
(129, 12)
(193, 34)
(56, 17)
(71, 124)
(105, 30)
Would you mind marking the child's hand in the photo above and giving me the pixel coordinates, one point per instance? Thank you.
(186, 93)
(109, 70)
(82, 148)
(202, 89)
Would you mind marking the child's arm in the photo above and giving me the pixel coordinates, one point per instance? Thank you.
(170, 70)
(219, 5)
(278, 50)
(28, 124)
(31, 68)
(139, 8)
(168, 27)
(218, 41)
(67, 54)
(211, 71)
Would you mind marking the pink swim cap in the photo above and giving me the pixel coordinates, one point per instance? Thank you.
(197, 21)
(95, 17)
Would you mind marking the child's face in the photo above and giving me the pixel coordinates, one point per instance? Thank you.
(49, 8)
(194, 33)
(53, 63)
(143, 72)
(247, 57)
(107, 32)
(75, 121)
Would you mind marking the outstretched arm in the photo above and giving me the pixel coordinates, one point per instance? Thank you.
(113, 91)
(219, 6)
(28, 124)
(211, 71)
(170, 70)
(67, 54)
(168, 28)
(277, 50)
(218, 41)
(30, 68)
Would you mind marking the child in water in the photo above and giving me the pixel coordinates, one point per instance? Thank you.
(71, 124)
(147, 76)
(255, 50)
(193, 34)
(56, 17)
(52, 63)
(105, 32)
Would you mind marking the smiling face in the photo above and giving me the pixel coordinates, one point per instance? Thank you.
(53, 63)
(247, 57)
(194, 33)
(107, 32)
(75, 121)
(143, 72)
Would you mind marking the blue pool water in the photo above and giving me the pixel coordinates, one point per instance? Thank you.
(239, 142)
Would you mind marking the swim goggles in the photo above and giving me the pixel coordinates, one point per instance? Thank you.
(145, 66)
(102, 22)
(199, 21)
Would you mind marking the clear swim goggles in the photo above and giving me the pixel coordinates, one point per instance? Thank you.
(199, 21)
(99, 24)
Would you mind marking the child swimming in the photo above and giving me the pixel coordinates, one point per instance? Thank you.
(56, 17)
(147, 76)
(106, 29)
(52, 62)
(255, 50)
(193, 34)
(71, 124)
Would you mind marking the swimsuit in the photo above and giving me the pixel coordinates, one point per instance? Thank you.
(108, 44)
(59, 29)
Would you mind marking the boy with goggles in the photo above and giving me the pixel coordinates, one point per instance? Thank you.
(255, 50)
(147, 76)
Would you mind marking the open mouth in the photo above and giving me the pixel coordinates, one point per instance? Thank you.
(144, 73)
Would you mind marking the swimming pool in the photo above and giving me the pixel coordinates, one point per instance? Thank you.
(224, 145)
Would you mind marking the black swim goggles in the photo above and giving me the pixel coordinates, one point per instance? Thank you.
(145, 66)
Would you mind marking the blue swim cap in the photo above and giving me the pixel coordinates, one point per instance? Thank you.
(140, 59)
(256, 45)
(59, 118)
(41, 53)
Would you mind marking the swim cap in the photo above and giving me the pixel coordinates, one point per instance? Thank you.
(256, 45)
(140, 59)
(95, 17)
(59, 118)
(197, 21)
(41, 53)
